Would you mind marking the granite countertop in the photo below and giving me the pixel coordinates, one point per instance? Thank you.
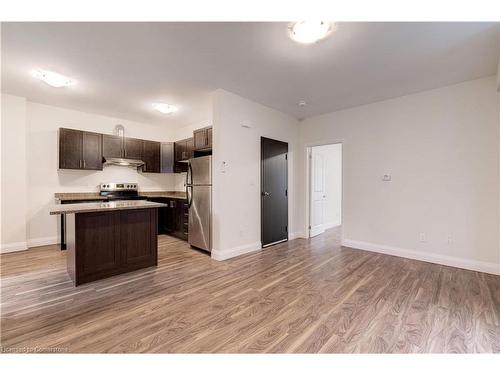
(164, 194)
(95, 195)
(59, 209)
(77, 196)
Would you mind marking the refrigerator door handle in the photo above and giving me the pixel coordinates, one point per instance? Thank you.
(189, 185)
(190, 172)
(189, 196)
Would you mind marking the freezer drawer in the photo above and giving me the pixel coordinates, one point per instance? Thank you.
(200, 223)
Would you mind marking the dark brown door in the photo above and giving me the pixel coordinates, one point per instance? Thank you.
(92, 151)
(151, 157)
(274, 191)
(112, 146)
(139, 229)
(70, 149)
(200, 139)
(98, 239)
(133, 148)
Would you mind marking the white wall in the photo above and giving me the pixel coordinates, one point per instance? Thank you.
(441, 148)
(236, 193)
(332, 155)
(13, 205)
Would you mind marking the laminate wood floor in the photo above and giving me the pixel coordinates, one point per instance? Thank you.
(301, 296)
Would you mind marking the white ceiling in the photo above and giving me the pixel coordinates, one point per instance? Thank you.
(123, 67)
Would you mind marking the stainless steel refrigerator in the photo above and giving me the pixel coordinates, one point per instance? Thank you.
(199, 196)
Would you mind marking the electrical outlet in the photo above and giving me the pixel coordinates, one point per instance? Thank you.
(449, 239)
(423, 237)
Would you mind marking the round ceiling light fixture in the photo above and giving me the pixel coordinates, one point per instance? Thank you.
(308, 32)
(52, 78)
(164, 108)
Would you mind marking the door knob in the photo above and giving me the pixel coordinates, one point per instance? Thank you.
(265, 193)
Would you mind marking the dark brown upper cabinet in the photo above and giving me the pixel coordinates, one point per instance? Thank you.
(112, 146)
(92, 151)
(189, 148)
(167, 158)
(209, 137)
(202, 139)
(133, 148)
(80, 150)
(70, 149)
(183, 151)
(151, 157)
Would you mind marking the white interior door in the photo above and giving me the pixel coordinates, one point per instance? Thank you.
(318, 192)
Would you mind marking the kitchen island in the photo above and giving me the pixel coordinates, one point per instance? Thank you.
(109, 238)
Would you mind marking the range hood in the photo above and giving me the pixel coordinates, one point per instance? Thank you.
(123, 162)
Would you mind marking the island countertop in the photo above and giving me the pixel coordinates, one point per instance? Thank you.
(97, 196)
(74, 208)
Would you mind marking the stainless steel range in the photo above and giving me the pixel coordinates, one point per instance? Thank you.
(120, 191)
(108, 191)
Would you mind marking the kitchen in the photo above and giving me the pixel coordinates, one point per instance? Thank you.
(182, 214)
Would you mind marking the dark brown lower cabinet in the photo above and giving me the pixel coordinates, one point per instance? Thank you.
(173, 220)
(107, 243)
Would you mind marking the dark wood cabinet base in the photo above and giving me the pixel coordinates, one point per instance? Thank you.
(103, 244)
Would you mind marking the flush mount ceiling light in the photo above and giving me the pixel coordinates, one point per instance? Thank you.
(52, 78)
(164, 108)
(308, 32)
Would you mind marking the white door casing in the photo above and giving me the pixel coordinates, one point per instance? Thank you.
(318, 192)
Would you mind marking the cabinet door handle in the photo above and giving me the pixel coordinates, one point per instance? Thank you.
(83, 163)
(80, 163)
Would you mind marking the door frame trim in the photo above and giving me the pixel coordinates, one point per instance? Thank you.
(262, 189)
(308, 173)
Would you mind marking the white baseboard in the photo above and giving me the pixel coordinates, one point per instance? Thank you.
(42, 241)
(292, 236)
(13, 246)
(331, 225)
(234, 252)
(446, 260)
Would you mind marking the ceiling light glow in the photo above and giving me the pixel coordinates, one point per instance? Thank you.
(52, 78)
(165, 108)
(308, 32)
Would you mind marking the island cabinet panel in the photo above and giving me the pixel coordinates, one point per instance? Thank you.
(112, 146)
(139, 236)
(106, 243)
(151, 157)
(99, 244)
